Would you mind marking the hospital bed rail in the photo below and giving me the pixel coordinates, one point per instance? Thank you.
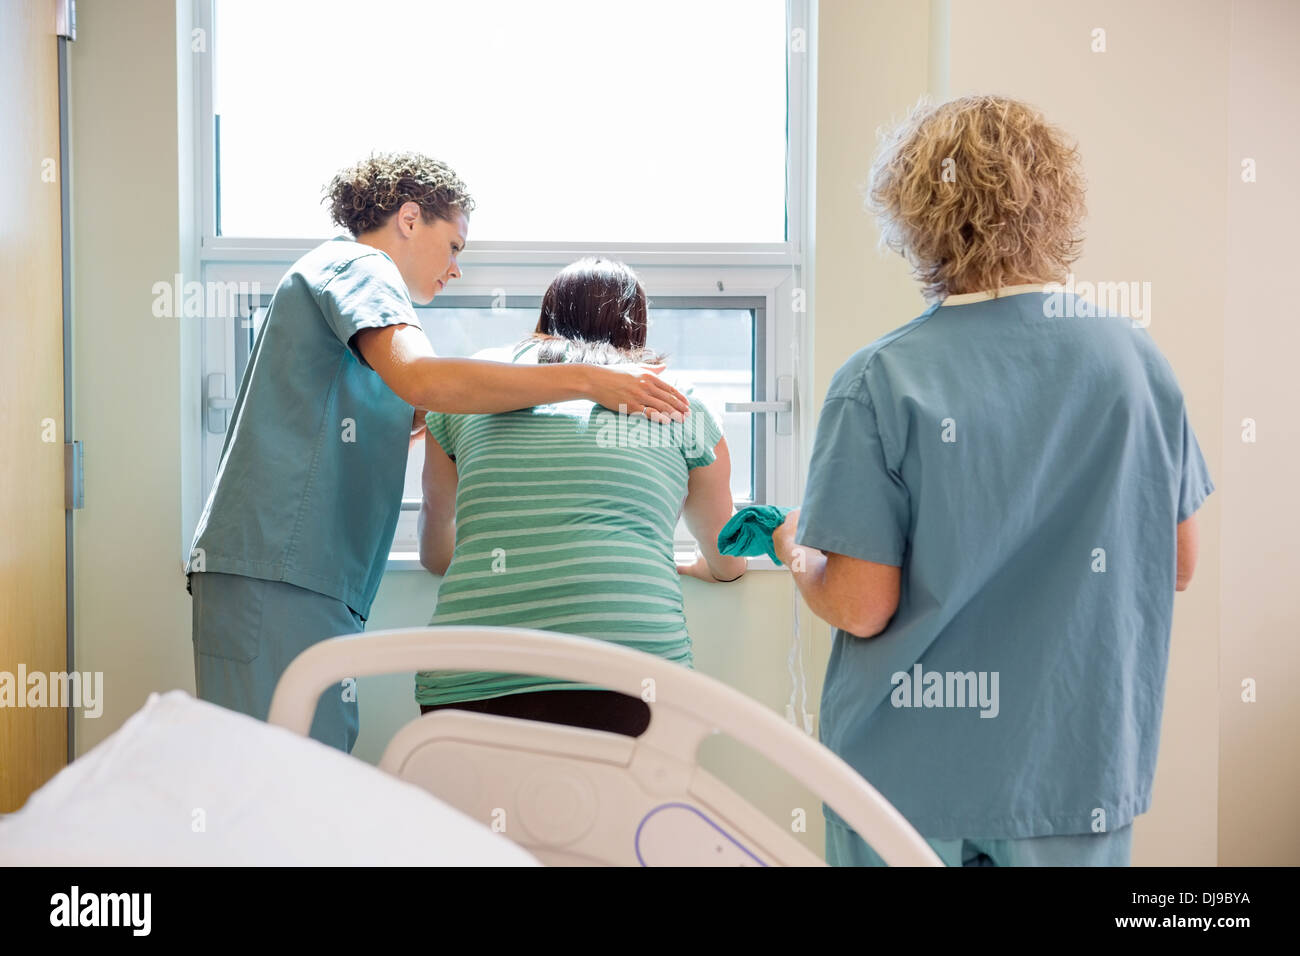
(672, 810)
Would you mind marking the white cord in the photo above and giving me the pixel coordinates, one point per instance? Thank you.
(795, 661)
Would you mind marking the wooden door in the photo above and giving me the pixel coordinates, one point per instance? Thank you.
(33, 628)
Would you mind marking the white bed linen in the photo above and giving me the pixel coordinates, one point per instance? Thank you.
(267, 796)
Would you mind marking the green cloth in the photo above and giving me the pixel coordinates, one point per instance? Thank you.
(749, 532)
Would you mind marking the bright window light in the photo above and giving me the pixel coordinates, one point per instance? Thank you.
(582, 120)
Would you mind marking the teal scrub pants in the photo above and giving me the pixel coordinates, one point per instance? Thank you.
(845, 848)
(246, 631)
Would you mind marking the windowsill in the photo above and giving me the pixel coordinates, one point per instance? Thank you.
(410, 561)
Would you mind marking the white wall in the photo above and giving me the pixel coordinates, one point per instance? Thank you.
(1259, 762)
(132, 610)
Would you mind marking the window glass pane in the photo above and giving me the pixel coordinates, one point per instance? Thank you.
(464, 331)
(713, 349)
(645, 121)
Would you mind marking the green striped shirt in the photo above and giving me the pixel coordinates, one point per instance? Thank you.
(564, 521)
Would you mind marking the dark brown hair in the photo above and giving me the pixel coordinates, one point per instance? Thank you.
(596, 310)
(364, 196)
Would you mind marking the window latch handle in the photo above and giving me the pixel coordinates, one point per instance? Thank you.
(782, 408)
(216, 406)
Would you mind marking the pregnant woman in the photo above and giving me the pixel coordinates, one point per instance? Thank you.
(561, 517)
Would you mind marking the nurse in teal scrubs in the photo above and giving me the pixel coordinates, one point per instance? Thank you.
(1000, 507)
(293, 541)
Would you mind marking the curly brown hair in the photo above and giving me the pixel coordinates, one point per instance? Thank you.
(364, 196)
(978, 193)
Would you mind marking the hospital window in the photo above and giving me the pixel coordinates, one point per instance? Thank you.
(706, 203)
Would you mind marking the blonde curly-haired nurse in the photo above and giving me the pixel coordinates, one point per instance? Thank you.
(1000, 507)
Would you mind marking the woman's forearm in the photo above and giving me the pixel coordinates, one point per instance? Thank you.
(437, 536)
(858, 597)
(808, 568)
(841, 598)
(404, 359)
(470, 386)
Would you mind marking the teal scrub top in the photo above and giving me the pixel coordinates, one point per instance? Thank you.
(1025, 462)
(309, 486)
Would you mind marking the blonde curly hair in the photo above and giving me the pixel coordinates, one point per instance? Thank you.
(364, 196)
(978, 193)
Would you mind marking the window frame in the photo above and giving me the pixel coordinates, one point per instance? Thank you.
(774, 272)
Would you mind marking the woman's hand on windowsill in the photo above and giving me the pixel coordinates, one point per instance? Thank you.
(699, 568)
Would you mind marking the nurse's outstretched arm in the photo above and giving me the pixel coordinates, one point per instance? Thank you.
(402, 356)
(854, 595)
